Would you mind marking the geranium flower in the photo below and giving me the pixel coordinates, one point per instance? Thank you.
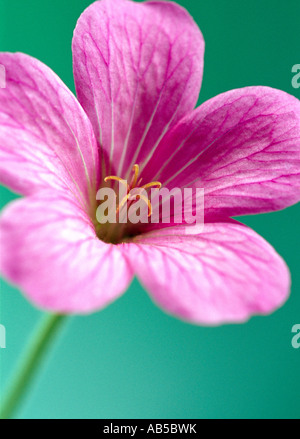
(138, 70)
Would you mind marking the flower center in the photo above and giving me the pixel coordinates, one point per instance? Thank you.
(134, 184)
(134, 191)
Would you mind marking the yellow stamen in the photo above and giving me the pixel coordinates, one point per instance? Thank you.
(147, 201)
(132, 185)
(152, 184)
(136, 170)
(123, 202)
(114, 177)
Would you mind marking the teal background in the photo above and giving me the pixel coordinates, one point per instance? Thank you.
(131, 360)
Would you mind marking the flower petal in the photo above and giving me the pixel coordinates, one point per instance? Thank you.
(242, 147)
(225, 274)
(49, 250)
(46, 139)
(138, 70)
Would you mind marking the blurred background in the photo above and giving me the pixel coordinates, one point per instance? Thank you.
(131, 360)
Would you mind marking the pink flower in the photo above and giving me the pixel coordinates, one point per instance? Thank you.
(138, 70)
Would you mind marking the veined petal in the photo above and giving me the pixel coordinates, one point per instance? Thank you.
(242, 147)
(138, 70)
(50, 251)
(46, 139)
(225, 274)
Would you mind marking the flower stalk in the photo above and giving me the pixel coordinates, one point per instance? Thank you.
(42, 339)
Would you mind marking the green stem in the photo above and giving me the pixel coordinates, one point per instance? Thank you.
(29, 363)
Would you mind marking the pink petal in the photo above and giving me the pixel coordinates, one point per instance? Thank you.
(138, 70)
(242, 147)
(46, 139)
(227, 273)
(50, 251)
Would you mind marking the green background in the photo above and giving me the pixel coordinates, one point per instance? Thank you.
(131, 360)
